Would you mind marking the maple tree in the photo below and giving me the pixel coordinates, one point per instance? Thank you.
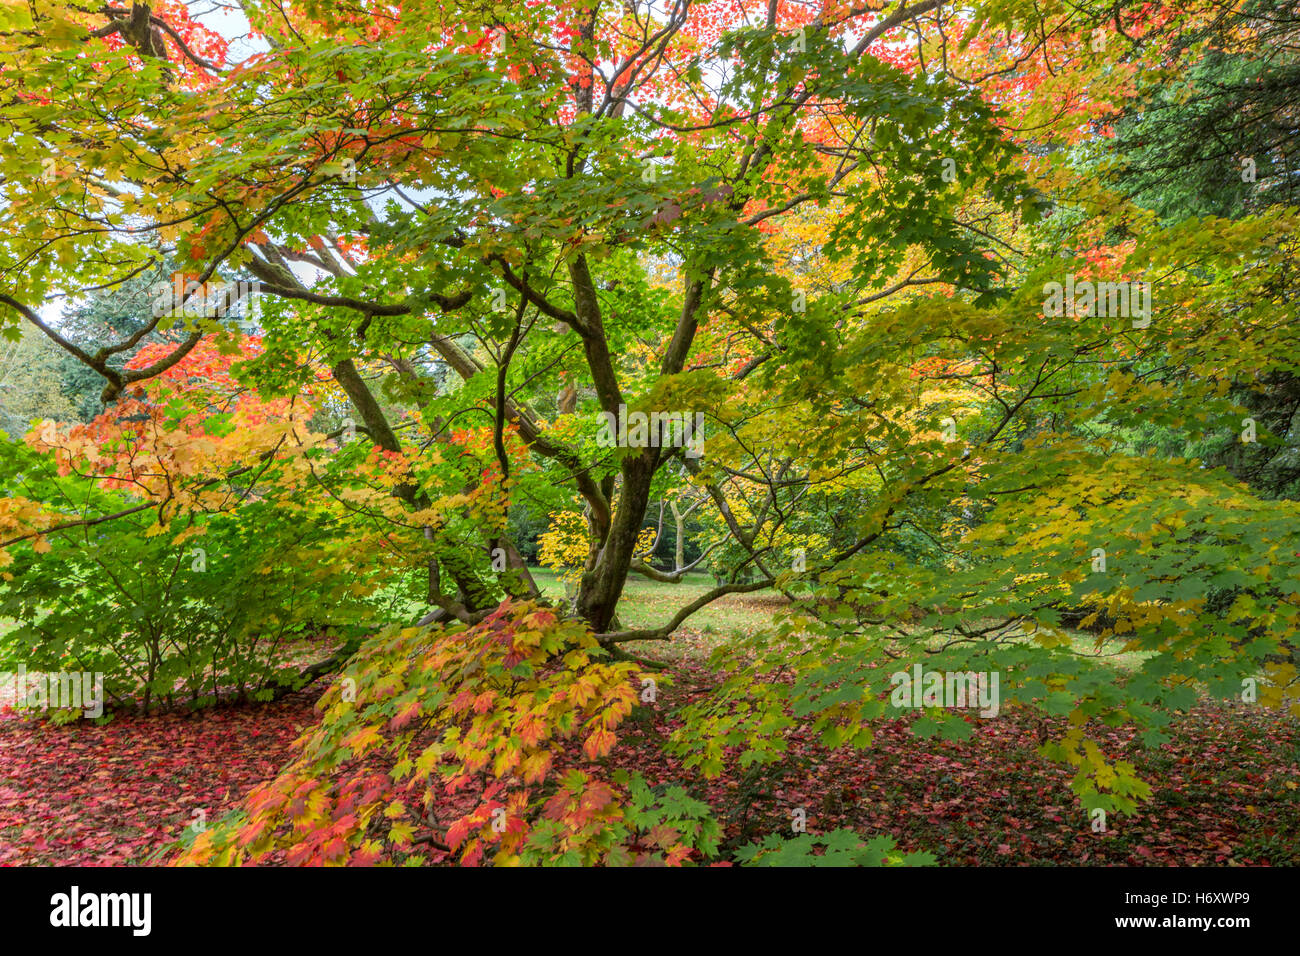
(478, 234)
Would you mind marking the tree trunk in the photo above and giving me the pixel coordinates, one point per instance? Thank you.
(603, 585)
(679, 545)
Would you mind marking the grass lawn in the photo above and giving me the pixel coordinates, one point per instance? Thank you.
(647, 603)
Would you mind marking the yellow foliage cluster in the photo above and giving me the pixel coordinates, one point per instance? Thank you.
(565, 545)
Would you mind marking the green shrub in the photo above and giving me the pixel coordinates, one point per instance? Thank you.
(215, 604)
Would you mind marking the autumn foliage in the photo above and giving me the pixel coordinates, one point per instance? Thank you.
(827, 231)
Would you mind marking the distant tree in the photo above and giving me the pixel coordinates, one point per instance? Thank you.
(33, 383)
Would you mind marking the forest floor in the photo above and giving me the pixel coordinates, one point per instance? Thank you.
(1226, 787)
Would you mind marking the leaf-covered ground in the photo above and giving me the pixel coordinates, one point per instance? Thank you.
(1226, 791)
(112, 794)
(1227, 788)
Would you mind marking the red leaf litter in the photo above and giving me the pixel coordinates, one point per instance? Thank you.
(106, 795)
(1226, 788)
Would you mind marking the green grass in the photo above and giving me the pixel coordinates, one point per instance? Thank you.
(647, 603)
(1111, 652)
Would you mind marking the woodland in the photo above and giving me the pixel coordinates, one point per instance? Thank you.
(649, 432)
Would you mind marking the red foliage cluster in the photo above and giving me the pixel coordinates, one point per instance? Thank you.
(199, 41)
(100, 796)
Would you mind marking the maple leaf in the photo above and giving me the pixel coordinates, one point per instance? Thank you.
(535, 767)
(599, 743)
(405, 715)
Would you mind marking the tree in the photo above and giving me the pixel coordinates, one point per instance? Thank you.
(539, 210)
(537, 247)
(30, 386)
